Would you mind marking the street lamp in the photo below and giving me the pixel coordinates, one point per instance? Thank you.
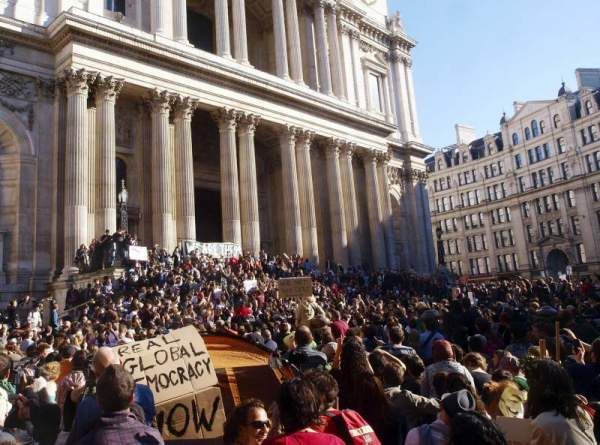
(122, 199)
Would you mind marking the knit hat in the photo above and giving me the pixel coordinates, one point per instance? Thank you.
(458, 402)
(441, 350)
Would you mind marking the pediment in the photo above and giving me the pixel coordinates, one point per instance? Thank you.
(530, 107)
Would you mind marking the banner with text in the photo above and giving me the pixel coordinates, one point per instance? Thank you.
(177, 368)
(295, 287)
(221, 250)
(138, 253)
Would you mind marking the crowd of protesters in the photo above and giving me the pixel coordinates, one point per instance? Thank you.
(384, 357)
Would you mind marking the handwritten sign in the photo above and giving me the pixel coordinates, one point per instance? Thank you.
(517, 431)
(220, 250)
(178, 370)
(295, 287)
(138, 253)
(250, 285)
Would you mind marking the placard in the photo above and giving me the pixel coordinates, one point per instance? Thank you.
(295, 287)
(178, 370)
(250, 285)
(138, 253)
(220, 250)
(516, 431)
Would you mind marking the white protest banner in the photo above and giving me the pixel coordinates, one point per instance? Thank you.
(516, 431)
(177, 368)
(221, 250)
(295, 287)
(138, 253)
(249, 285)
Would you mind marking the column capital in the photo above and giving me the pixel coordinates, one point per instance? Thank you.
(395, 55)
(107, 88)
(349, 149)
(226, 118)
(291, 132)
(331, 7)
(383, 158)
(305, 136)
(159, 101)
(183, 107)
(249, 121)
(407, 61)
(332, 148)
(78, 81)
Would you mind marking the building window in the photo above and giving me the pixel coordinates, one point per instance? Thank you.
(570, 196)
(596, 191)
(580, 253)
(547, 151)
(531, 155)
(535, 262)
(115, 6)
(375, 92)
(589, 107)
(561, 226)
(593, 129)
(521, 184)
(534, 129)
(556, 120)
(550, 175)
(542, 127)
(555, 201)
(575, 226)
(525, 209)
(530, 233)
(564, 168)
(519, 160)
(584, 136)
(561, 144)
(527, 133)
(542, 230)
(515, 139)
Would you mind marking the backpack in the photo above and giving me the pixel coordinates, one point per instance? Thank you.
(431, 434)
(354, 429)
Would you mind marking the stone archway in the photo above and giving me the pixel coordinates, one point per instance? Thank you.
(557, 262)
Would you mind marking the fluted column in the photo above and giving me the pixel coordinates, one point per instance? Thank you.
(76, 164)
(322, 50)
(411, 96)
(386, 210)
(158, 16)
(350, 206)
(293, 35)
(359, 91)
(183, 110)
(180, 32)
(240, 37)
(374, 208)
(106, 90)
(248, 185)
(309, 52)
(335, 55)
(92, 171)
(308, 218)
(339, 237)
(401, 101)
(230, 191)
(222, 28)
(280, 42)
(291, 204)
(162, 216)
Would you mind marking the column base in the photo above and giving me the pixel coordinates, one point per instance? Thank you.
(245, 63)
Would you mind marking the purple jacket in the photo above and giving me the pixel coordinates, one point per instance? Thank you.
(123, 428)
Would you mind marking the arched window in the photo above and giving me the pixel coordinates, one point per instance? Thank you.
(515, 139)
(527, 133)
(556, 120)
(534, 128)
(542, 127)
(588, 107)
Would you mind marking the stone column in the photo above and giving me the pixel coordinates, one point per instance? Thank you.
(293, 35)
(400, 97)
(248, 185)
(226, 119)
(180, 33)
(349, 81)
(374, 207)
(386, 211)
(310, 245)
(291, 200)
(240, 37)
(387, 100)
(322, 50)
(309, 54)
(335, 55)
(350, 206)
(183, 109)
(222, 28)
(162, 217)
(336, 204)
(359, 81)
(106, 90)
(158, 17)
(411, 96)
(76, 164)
(280, 42)
(92, 171)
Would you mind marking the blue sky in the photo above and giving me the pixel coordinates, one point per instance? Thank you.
(475, 57)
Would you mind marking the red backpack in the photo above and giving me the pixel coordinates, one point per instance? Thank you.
(353, 428)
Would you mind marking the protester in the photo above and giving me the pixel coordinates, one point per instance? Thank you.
(248, 424)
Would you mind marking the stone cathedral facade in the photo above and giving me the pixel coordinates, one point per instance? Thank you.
(284, 125)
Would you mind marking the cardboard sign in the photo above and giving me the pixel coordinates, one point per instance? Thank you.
(516, 431)
(249, 285)
(138, 253)
(218, 250)
(295, 287)
(178, 370)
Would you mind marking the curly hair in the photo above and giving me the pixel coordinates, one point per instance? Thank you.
(550, 389)
(474, 429)
(238, 418)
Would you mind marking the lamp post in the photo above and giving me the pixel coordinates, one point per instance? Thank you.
(122, 199)
(440, 245)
